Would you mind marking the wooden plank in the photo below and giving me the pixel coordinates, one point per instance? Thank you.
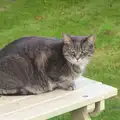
(99, 106)
(11, 99)
(82, 82)
(81, 114)
(95, 92)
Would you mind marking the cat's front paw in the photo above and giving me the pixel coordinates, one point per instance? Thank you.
(66, 85)
(71, 87)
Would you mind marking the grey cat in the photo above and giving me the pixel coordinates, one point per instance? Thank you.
(34, 65)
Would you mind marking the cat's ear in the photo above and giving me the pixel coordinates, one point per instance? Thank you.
(91, 39)
(67, 39)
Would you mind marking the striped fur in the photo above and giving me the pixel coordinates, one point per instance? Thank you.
(34, 65)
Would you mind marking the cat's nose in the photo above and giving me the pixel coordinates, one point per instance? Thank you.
(77, 58)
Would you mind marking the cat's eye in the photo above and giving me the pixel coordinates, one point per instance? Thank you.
(73, 51)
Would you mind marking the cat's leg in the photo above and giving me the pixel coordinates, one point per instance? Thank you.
(9, 85)
(66, 84)
(34, 89)
(44, 82)
(52, 85)
(40, 84)
(5, 92)
(13, 75)
(14, 92)
(41, 88)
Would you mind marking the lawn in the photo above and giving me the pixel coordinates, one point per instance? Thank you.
(50, 18)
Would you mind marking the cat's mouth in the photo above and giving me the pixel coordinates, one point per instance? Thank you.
(75, 61)
(79, 61)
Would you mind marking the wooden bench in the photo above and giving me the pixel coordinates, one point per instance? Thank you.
(87, 100)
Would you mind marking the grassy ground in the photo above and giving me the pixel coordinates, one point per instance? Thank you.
(78, 17)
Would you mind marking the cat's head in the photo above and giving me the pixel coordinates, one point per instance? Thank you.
(78, 49)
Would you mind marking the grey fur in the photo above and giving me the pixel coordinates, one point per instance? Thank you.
(34, 65)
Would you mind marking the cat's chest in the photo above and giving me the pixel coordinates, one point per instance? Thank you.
(75, 71)
(71, 73)
(79, 68)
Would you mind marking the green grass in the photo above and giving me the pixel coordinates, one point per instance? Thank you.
(77, 17)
